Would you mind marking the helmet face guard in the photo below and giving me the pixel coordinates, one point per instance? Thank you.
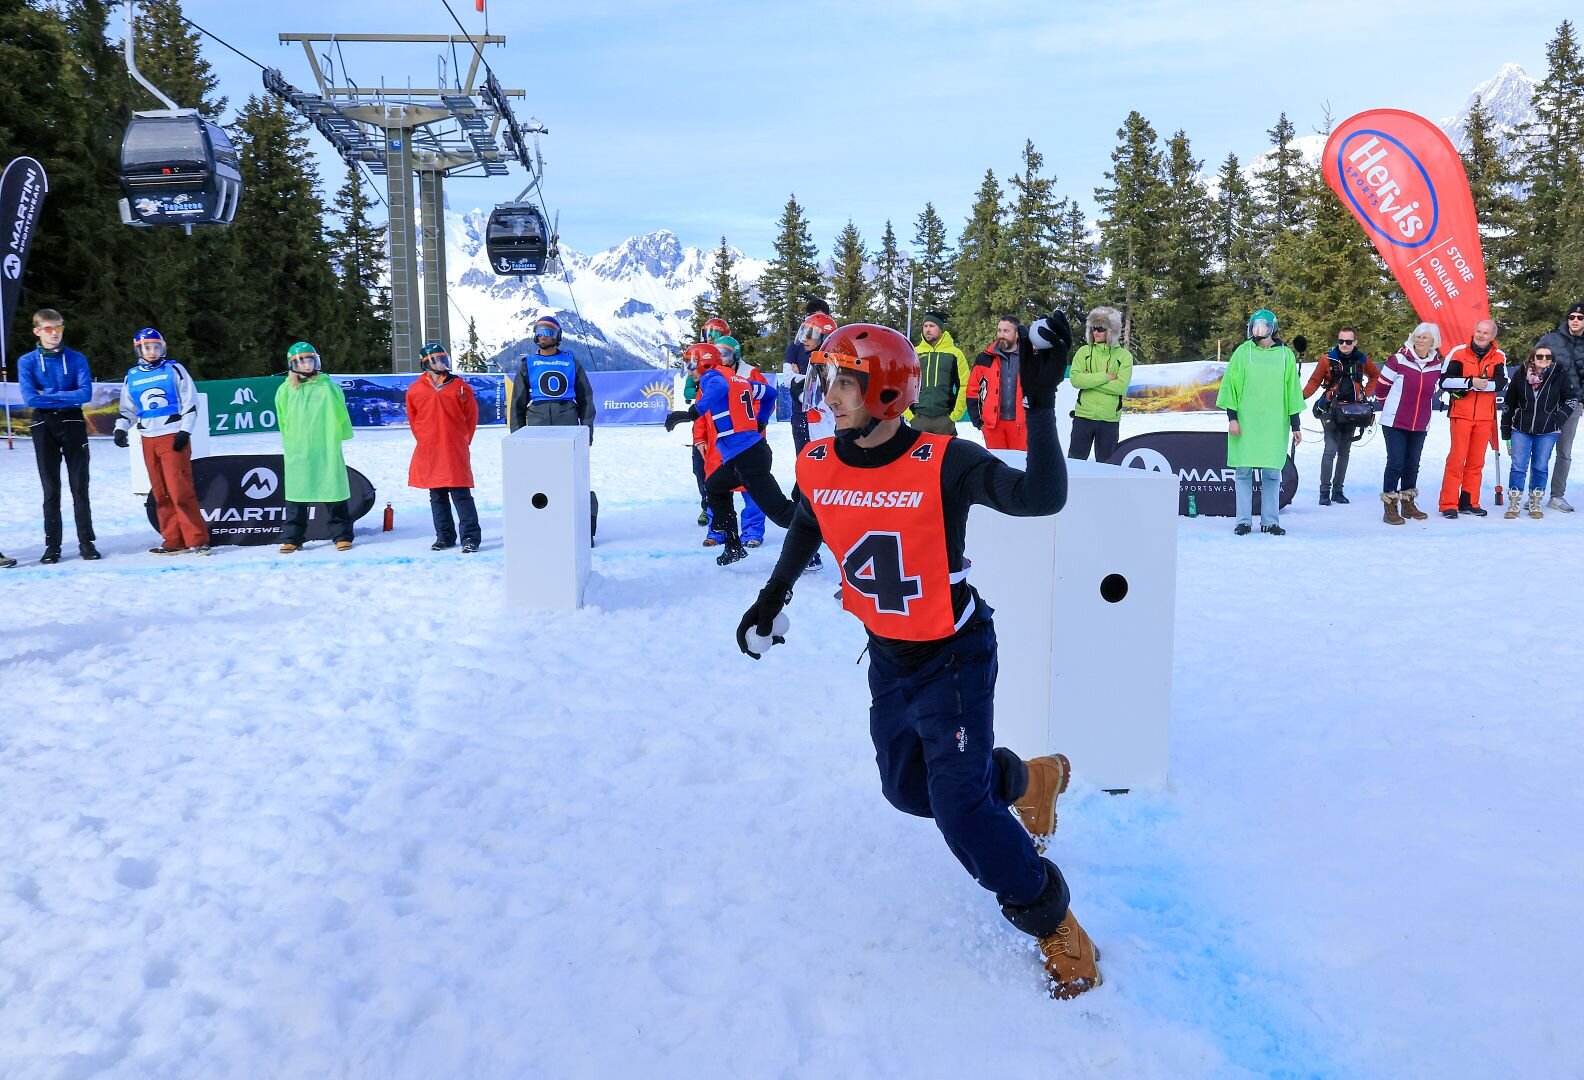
(148, 336)
(716, 328)
(815, 329)
(302, 359)
(702, 358)
(1262, 324)
(435, 358)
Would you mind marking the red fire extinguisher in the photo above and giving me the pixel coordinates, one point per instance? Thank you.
(390, 518)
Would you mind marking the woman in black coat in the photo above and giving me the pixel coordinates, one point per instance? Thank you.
(1539, 401)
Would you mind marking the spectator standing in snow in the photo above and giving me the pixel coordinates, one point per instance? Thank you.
(1566, 343)
(1476, 374)
(550, 388)
(1101, 372)
(1540, 401)
(311, 413)
(1262, 399)
(1344, 375)
(443, 415)
(995, 388)
(55, 383)
(1406, 392)
(943, 379)
(932, 645)
(160, 398)
(795, 368)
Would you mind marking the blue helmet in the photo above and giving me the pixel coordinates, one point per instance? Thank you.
(433, 354)
(148, 333)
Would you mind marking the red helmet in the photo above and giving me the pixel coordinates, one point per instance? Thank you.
(815, 329)
(702, 357)
(884, 361)
(716, 328)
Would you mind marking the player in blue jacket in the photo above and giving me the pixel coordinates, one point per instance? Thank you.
(56, 384)
(739, 408)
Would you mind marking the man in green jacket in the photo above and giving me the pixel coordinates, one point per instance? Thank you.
(943, 379)
(1101, 371)
(312, 415)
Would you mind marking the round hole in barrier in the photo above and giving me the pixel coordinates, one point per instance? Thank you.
(541, 500)
(1113, 587)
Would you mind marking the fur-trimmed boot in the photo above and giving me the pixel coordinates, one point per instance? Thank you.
(1036, 808)
(1535, 498)
(1389, 500)
(1071, 959)
(1515, 501)
(1409, 510)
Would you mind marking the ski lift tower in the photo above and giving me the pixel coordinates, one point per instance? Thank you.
(458, 127)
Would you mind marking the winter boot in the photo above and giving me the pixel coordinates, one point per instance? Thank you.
(1036, 807)
(1389, 499)
(732, 550)
(1409, 510)
(1325, 496)
(1514, 504)
(1534, 503)
(1337, 496)
(6, 562)
(1071, 959)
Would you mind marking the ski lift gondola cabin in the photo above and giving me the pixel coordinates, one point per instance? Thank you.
(517, 239)
(178, 169)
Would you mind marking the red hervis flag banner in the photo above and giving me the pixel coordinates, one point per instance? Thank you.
(1404, 181)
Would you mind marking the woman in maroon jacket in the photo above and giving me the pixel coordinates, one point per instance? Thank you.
(1406, 392)
(443, 414)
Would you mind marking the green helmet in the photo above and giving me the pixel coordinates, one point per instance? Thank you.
(726, 341)
(1266, 316)
(301, 354)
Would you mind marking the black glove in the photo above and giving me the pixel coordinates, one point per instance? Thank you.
(760, 618)
(1045, 367)
(181, 441)
(120, 437)
(1061, 330)
(675, 418)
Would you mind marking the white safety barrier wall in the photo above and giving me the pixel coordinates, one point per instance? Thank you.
(1084, 607)
(547, 520)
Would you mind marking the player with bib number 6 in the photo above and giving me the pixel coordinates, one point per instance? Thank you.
(891, 503)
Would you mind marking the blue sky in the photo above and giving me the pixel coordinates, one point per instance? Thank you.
(702, 117)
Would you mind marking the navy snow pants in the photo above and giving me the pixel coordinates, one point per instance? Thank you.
(934, 743)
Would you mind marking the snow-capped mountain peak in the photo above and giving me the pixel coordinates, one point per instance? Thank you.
(1508, 99)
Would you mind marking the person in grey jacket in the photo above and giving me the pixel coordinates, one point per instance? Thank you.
(550, 388)
(1566, 343)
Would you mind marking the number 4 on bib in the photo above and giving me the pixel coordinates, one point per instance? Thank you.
(873, 567)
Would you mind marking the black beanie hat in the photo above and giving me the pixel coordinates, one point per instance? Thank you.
(1577, 308)
(936, 317)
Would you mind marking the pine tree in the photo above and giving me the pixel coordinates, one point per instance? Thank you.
(1490, 183)
(1187, 304)
(358, 248)
(979, 267)
(1077, 265)
(285, 289)
(1131, 233)
(1241, 279)
(931, 264)
(170, 57)
(792, 279)
(890, 284)
(472, 359)
(1034, 217)
(851, 295)
(1277, 182)
(727, 299)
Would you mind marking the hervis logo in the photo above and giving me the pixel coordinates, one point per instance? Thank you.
(243, 396)
(1390, 189)
(259, 483)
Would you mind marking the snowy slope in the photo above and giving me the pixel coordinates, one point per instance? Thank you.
(345, 815)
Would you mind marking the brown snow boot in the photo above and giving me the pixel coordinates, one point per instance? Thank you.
(1036, 808)
(1534, 503)
(1071, 959)
(1514, 504)
(1409, 510)
(1389, 500)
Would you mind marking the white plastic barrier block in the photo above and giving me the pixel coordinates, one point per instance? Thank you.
(1084, 608)
(200, 447)
(545, 477)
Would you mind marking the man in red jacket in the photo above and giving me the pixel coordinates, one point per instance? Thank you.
(995, 391)
(1476, 372)
(443, 414)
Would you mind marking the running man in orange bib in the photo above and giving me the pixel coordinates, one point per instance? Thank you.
(892, 504)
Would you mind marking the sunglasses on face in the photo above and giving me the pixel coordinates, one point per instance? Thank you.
(1347, 341)
(1542, 356)
(1575, 318)
(1098, 330)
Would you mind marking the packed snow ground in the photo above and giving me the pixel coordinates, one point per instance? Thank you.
(345, 815)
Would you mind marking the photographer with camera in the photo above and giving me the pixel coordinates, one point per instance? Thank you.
(1346, 377)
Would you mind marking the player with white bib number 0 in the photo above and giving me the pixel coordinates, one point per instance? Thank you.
(892, 504)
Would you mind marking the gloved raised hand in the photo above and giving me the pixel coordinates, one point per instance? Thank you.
(1044, 369)
(120, 437)
(181, 441)
(761, 617)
